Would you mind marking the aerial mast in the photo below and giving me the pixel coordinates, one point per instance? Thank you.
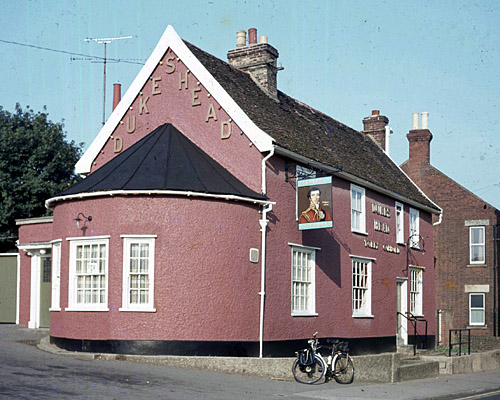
(105, 41)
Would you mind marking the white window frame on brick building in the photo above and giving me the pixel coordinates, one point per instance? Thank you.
(358, 209)
(361, 287)
(476, 311)
(416, 291)
(477, 245)
(414, 228)
(400, 226)
(88, 274)
(138, 273)
(303, 278)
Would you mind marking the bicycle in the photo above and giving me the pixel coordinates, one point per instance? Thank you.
(310, 366)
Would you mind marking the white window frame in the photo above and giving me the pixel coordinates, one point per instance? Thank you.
(73, 304)
(400, 224)
(414, 228)
(128, 241)
(358, 210)
(303, 281)
(361, 294)
(55, 298)
(416, 291)
(478, 245)
(481, 309)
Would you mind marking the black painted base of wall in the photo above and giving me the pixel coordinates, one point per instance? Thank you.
(285, 348)
(423, 342)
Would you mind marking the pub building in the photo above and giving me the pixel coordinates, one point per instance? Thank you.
(220, 216)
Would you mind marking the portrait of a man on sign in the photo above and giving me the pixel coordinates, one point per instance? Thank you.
(315, 203)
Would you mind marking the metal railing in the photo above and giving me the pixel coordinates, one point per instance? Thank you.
(460, 342)
(414, 319)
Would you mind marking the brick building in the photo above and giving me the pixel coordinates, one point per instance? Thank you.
(466, 260)
(221, 216)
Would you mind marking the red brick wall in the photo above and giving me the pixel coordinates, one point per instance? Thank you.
(451, 244)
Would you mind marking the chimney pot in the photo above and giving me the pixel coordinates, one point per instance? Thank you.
(425, 120)
(252, 36)
(117, 94)
(415, 121)
(375, 112)
(241, 39)
(263, 39)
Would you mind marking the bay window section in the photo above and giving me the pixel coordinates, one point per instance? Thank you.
(138, 273)
(88, 274)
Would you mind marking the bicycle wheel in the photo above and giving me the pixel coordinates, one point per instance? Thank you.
(309, 373)
(344, 369)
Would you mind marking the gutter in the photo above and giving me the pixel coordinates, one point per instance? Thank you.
(50, 202)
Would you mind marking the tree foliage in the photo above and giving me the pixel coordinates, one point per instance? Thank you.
(36, 163)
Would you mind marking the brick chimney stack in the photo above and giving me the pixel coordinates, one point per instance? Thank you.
(376, 126)
(420, 141)
(258, 59)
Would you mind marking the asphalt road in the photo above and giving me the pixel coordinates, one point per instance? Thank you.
(26, 372)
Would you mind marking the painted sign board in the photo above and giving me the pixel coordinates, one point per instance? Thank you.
(315, 203)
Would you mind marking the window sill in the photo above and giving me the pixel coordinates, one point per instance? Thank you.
(363, 316)
(304, 314)
(477, 327)
(360, 232)
(476, 265)
(86, 309)
(147, 310)
(55, 309)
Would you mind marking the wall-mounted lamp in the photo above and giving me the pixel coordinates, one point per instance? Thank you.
(413, 242)
(85, 219)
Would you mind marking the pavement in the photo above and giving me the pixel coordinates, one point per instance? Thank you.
(454, 386)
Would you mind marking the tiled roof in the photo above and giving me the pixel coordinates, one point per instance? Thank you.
(164, 160)
(309, 133)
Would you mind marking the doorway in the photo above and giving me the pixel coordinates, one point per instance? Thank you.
(402, 309)
(45, 289)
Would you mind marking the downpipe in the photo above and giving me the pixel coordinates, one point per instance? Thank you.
(263, 228)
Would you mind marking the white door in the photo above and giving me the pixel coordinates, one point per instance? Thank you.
(402, 308)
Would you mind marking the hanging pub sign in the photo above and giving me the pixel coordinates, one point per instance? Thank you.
(314, 202)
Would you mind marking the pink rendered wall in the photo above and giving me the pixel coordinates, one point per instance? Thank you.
(27, 234)
(334, 266)
(195, 113)
(205, 287)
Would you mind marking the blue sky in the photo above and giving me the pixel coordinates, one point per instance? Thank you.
(344, 58)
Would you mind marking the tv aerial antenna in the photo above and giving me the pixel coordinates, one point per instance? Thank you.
(105, 41)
